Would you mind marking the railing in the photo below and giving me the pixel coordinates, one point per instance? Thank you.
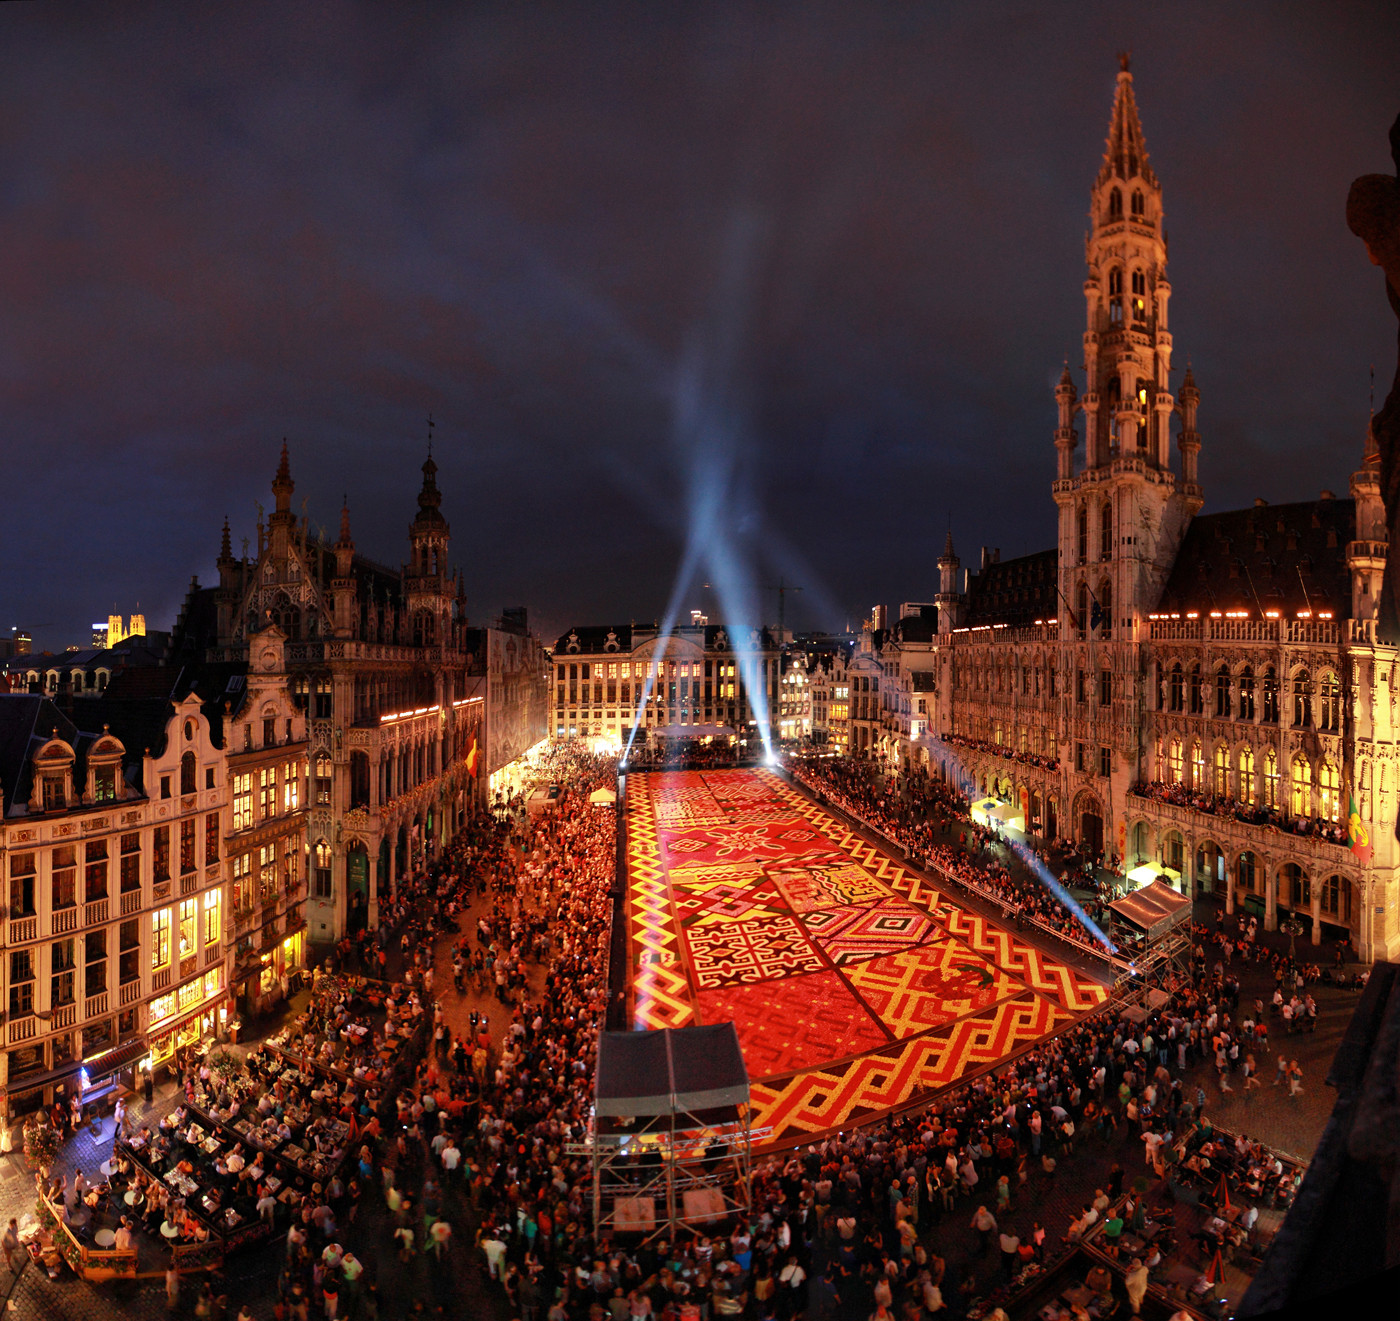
(1319, 632)
(213, 953)
(160, 979)
(189, 883)
(96, 1005)
(129, 992)
(96, 913)
(89, 1263)
(131, 902)
(24, 929)
(63, 919)
(23, 1029)
(64, 1015)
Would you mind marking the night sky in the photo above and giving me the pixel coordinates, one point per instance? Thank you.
(224, 225)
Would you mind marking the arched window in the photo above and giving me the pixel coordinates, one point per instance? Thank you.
(1139, 297)
(1302, 786)
(187, 781)
(1174, 760)
(1115, 204)
(1222, 692)
(1244, 784)
(1294, 889)
(1329, 788)
(1271, 780)
(1302, 699)
(1106, 605)
(1336, 899)
(1177, 691)
(1329, 704)
(1115, 296)
(1106, 531)
(1198, 704)
(1082, 535)
(1247, 693)
(1198, 767)
(1141, 397)
(1139, 202)
(1221, 787)
(1270, 685)
(1245, 871)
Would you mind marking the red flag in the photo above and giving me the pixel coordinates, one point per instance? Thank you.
(472, 758)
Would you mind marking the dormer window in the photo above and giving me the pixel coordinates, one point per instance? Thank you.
(104, 784)
(55, 792)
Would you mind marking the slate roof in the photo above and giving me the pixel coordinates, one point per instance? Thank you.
(1270, 557)
(27, 722)
(1015, 592)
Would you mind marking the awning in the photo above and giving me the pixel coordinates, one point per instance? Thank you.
(34, 1081)
(104, 1066)
(605, 797)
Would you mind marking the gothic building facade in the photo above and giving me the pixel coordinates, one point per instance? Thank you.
(388, 700)
(1201, 694)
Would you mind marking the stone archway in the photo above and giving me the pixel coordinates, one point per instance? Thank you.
(1210, 868)
(356, 886)
(1089, 823)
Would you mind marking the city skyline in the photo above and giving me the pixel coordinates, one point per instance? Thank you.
(527, 230)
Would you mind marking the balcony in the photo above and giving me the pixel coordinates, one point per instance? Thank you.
(24, 929)
(189, 883)
(64, 1015)
(129, 992)
(131, 902)
(213, 953)
(96, 912)
(63, 920)
(23, 1029)
(160, 979)
(95, 1005)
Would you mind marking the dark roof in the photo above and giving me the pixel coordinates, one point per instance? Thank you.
(592, 639)
(917, 628)
(27, 722)
(1015, 592)
(672, 1069)
(1271, 557)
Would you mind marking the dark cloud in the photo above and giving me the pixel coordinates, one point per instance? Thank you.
(222, 225)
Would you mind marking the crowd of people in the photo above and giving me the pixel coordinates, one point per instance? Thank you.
(925, 820)
(1001, 750)
(1256, 814)
(482, 1137)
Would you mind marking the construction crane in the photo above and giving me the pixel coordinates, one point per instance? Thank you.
(782, 589)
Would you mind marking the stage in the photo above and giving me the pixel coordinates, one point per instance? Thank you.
(855, 986)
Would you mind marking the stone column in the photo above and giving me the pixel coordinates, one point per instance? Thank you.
(1229, 886)
(1316, 891)
(1270, 896)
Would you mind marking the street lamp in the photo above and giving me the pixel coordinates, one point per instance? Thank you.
(1292, 925)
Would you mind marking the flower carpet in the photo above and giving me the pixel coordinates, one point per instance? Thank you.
(856, 986)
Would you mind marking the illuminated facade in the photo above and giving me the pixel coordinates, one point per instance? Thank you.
(1203, 695)
(388, 701)
(696, 682)
(117, 905)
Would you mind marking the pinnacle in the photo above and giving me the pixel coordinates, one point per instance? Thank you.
(948, 552)
(1125, 151)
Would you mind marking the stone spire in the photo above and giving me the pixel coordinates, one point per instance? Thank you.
(282, 484)
(1125, 152)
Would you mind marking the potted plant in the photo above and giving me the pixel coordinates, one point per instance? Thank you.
(40, 1143)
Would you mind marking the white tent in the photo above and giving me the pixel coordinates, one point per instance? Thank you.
(603, 797)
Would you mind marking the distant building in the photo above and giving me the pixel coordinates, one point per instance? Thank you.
(692, 683)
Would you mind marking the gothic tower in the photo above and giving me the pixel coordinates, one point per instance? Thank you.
(428, 588)
(1123, 513)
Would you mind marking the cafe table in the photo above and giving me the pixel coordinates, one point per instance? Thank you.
(106, 1168)
(131, 1196)
(104, 1238)
(167, 1230)
(1078, 1295)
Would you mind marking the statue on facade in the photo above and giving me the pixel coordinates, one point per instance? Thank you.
(1373, 215)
